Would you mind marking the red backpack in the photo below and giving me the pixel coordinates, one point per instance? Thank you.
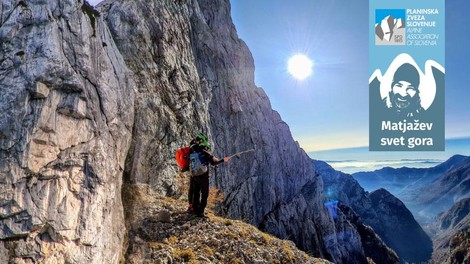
(182, 158)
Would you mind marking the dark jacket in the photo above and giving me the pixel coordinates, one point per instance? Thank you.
(206, 155)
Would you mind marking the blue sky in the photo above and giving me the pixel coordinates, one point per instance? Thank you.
(380, 14)
(329, 110)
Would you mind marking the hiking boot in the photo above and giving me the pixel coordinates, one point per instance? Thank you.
(190, 210)
(202, 215)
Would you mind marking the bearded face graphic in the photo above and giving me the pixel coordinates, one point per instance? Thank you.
(404, 94)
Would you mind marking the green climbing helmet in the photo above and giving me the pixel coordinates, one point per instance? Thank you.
(204, 142)
(202, 137)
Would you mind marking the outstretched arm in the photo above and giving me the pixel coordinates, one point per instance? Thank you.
(216, 161)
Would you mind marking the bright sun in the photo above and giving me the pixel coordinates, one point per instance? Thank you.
(300, 66)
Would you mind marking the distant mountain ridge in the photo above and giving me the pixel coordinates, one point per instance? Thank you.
(425, 191)
(429, 192)
(386, 214)
(443, 192)
(395, 180)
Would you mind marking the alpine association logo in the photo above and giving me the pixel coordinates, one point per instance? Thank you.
(390, 26)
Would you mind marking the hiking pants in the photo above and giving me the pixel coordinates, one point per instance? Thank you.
(191, 190)
(200, 192)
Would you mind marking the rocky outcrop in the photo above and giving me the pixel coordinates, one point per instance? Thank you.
(67, 115)
(387, 215)
(398, 228)
(452, 237)
(374, 248)
(452, 217)
(162, 231)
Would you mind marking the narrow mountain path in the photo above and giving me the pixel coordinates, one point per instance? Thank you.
(161, 231)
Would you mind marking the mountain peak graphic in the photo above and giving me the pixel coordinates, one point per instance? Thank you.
(387, 27)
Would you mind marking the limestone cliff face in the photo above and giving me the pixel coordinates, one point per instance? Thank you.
(172, 100)
(452, 231)
(67, 114)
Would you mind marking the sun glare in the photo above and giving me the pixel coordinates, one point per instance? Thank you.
(300, 66)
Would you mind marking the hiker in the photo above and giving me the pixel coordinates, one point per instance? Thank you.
(201, 157)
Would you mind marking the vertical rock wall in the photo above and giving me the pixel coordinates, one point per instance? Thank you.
(172, 100)
(67, 115)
